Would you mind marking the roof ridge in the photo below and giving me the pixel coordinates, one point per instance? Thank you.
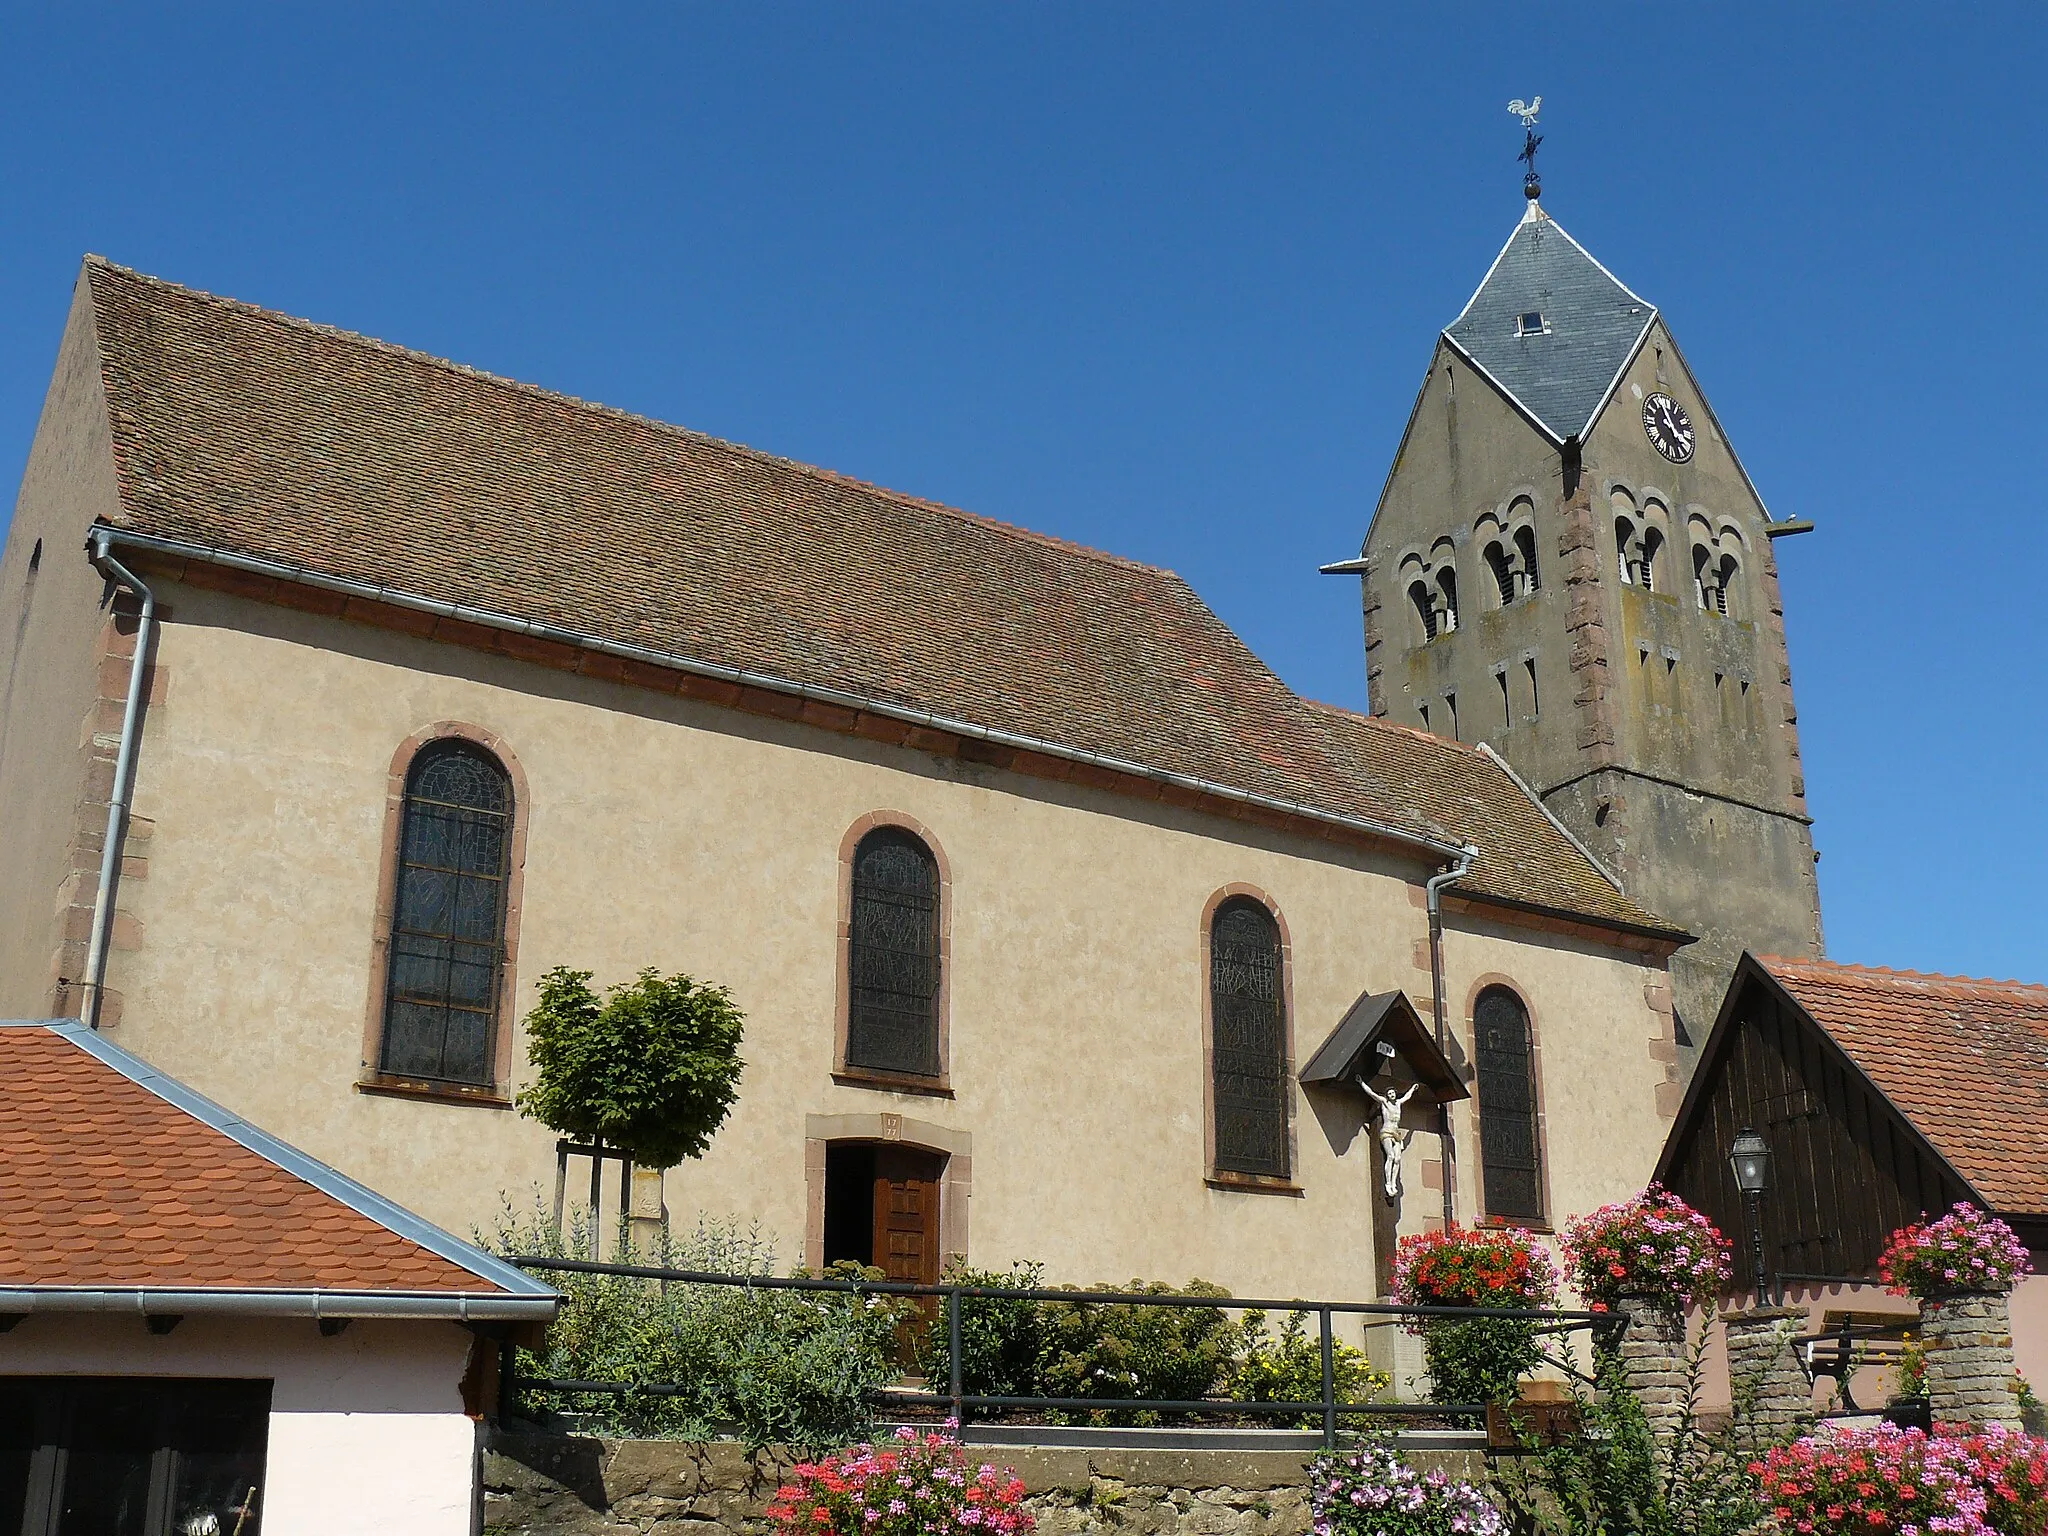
(620, 413)
(1879, 975)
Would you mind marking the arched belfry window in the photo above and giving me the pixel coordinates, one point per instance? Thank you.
(448, 917)
(1248, 1039)
(892, 1018)
(1511, 1172)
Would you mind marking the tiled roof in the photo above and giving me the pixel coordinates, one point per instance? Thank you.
(108, 1182)
(1592, 326)
(1965, 1061)
(246, 431)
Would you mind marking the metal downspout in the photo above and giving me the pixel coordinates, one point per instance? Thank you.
(1433, 900)
(124, 778)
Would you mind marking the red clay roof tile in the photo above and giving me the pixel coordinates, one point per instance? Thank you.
(1965, 1060)
(103, 1183)
(247, 431)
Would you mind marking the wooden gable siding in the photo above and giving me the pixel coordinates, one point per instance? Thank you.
(1846, 1167)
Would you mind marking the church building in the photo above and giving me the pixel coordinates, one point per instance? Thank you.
(347, 690)
(1569, 564)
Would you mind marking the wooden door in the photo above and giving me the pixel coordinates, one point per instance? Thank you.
(907, 1213)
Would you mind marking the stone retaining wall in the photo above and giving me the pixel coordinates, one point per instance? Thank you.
(557, 1486)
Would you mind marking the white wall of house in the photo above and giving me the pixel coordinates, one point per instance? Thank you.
(367, 1430)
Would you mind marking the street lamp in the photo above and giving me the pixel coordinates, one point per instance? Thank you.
(1750, 1158)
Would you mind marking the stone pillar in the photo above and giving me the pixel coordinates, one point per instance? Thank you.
(1969, 1360)
(647, 1213)
(1772, 1397)
(1653, 1364)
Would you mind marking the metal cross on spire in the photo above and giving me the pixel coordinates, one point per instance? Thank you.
(1532, 184)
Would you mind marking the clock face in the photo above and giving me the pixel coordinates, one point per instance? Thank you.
(1670, 429)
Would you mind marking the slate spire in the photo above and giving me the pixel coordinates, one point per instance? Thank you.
(1551, 327)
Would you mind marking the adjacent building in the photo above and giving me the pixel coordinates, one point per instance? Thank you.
(204, 1330)
(1886, 1097)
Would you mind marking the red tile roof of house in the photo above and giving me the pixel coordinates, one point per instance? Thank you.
(251, 434)
(115, 1177)
(1965, 1061)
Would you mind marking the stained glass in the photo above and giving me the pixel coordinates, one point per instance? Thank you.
(448, 918)
(893, 956)
(1248, 1048)
(1507, 1106)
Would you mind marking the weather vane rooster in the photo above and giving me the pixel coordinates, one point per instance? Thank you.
(1532, 185)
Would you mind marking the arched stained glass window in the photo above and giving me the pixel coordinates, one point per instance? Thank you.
(1248, 1047)
(892, 1020)
(1507, 1107)
(448, 917)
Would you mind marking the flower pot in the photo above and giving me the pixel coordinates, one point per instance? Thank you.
(1910, 1413)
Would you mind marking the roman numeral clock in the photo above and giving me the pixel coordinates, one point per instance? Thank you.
(1669, 428)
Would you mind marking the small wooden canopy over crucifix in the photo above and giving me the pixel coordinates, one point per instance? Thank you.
(1352, 1058)
(1376, 1039)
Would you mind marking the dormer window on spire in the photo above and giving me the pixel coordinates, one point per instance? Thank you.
(1531, 323)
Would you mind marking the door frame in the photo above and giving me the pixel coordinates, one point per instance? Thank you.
(955, 1176)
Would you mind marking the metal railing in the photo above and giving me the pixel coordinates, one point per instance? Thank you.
(961, 1404)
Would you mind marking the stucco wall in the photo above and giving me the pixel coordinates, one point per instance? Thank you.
(670, 833)
(49, 624)
(367, 1432)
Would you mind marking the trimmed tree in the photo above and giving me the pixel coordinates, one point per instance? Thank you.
(650, 1069)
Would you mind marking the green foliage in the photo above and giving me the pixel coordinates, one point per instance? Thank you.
(1288, 1367)
(651, 1069)
(1093, 1349)
(1478, 1361)
(1610, 1481)
(1002, 1341)
(767, 1367)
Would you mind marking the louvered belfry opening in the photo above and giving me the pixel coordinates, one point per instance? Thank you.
(1247, 1010)
(448, 917)
(892, 1022)
(1510, 1156)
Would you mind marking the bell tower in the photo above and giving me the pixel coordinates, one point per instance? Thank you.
(1569, 564)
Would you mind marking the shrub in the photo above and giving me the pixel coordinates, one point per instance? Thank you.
(1888, 1480)
(1653, 1246)
(767, 1367)
(1095, 1349)
(1374, 1492)
(1964, 1252)
(1288, 1367)
(1002, 1341)
(651, 1070)
(913, 1485)
(1477, 1360)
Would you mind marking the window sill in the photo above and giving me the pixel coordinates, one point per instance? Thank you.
(1254, 1184)
(1537, 1224)
(386, 1086)
(893, 1082)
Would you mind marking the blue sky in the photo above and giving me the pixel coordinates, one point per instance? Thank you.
(1164, 279)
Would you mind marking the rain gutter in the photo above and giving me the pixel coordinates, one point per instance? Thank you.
(153, 1301)
(279, 570)
(1433, 901)
(116, 834)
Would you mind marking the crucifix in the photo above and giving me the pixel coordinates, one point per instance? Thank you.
(1393, 1139)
